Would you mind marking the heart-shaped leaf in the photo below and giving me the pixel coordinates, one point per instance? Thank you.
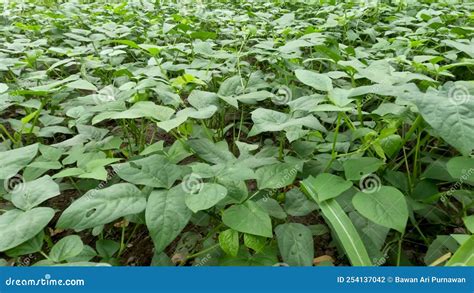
(329, 186)
(208, 196)
(67, 247)
(30, 194)
(229, 241)
(102, 206)
(166, 216)
(386, 207)
(248, 218)
(17, 226)
(318, 81)
(14, 160)
(296, 244)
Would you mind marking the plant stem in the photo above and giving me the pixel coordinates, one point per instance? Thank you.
(412, 129)
(333, 152)
(122, 240)
(415, 159)
(44, 254)
(399, 253)
(202, 251)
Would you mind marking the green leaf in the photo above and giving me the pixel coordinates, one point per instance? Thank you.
(297, 204)
(276, 175)
(320, 82)
(161, 259)
(296, 244)
(129, 43)
(207, 197)
(357, 168)
(31, 246)
(391, 144)
(462, 169)
(82, 84)
(67, 247)
(318, 229)
(156, 147)
(372, 234)
(272, 207)
(205, 49)
(265, 120)
(166, 216)
(200, 99)
(14, 160)
(229, 241)
(257, 243)
(330, 186)
(230, 86)
(107, 248)
(95, 163)
(68, 172)
(45, 165)
(203, 113)
(386, 207)
(464, 256)
(50, 86)
(138, 110)
(341, 226)
(438, 170)
(211, 152)
(237, 191)
(469, 222)
(285, 20)
(440, 246)
(168, 125)
(3, 88)
(86, 254)
(466, 48)
(155, 171)
(451, 117)
(102, 206)
(254, 97)
(17, 226)
(267, 257)
(30, 194)
(248, 218)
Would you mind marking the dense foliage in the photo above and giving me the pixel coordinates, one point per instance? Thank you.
(237, 133)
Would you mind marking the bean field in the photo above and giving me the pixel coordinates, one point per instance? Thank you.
(237, 133)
